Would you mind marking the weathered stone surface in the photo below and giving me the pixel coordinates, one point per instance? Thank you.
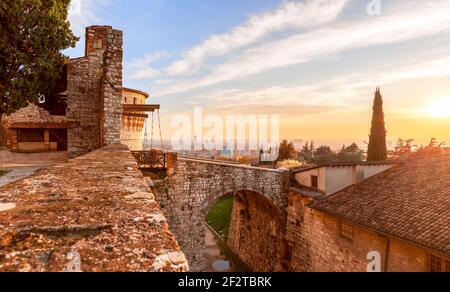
(33, 116)
(188, 194)
(94, 92)
(6, 206)
(88, 206)
(170, 260)
(256, 232)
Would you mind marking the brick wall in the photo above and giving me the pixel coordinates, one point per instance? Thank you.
(316, 244)
(94, 98)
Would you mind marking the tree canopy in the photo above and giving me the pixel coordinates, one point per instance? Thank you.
(33, 34)
(352, 153)
(287, 151)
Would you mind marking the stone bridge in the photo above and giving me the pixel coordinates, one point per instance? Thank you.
(258, 217)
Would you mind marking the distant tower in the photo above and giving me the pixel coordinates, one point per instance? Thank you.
(377, 150)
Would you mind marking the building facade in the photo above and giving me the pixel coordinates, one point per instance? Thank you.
(395, 221)
(98, 110)
(133, 122)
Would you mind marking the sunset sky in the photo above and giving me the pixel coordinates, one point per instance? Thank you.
(315, 63)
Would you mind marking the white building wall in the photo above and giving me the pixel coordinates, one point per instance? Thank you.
(304, 178)
(333, 179)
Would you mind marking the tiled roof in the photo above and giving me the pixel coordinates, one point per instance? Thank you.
(341, 164)
(411, 202)
(33, 116)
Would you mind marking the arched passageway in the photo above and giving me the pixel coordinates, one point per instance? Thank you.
(251, 228)
(260, 204)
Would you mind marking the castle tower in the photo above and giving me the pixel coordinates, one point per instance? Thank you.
(94, 92)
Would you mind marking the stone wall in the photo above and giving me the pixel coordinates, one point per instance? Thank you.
(188, 194)
(317, 245)
(94, 98)
(2, 133)
(256, 232)
(105, 212)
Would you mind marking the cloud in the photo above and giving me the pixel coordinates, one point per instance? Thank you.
(297, 15)
(83, 13)
(294, 109)
(405, 22)
(142, 68)
(348, 92)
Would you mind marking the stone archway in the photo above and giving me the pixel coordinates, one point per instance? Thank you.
(186, 196)
(256, 230)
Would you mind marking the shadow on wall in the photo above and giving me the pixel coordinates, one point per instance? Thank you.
(251, 228)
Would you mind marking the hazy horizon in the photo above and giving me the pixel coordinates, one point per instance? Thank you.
(315, 63)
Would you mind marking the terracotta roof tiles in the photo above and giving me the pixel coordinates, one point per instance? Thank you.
(410, 201)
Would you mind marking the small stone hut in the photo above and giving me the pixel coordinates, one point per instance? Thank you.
(32, 129)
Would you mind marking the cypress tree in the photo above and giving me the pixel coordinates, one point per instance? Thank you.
(377, 150)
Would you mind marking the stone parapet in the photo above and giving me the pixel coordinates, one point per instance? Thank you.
(97, 206)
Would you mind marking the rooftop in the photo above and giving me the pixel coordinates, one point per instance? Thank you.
(411, 202)
(342, 164)
(125, 89)
(34, 117)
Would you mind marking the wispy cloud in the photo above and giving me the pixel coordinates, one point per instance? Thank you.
(311, 13)
(349, 92)
(405, 22)
(142, 68)
(86, 12)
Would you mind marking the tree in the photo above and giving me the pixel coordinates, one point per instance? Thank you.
(377, 150)
(351, 153)
(307, 153)
(287, 151)
(324, 154)
(32, 35)
(403, 149)
(433, 147)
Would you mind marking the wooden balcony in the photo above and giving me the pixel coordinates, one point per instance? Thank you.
(140, 108)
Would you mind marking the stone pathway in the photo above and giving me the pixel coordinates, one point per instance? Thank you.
(16, 174)
(218, 257)
(20, 165)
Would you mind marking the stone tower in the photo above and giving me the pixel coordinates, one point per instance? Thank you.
(94, 92)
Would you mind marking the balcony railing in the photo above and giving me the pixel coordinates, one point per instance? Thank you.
(152, 160)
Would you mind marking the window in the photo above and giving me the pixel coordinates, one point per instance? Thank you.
(437, 264)
(315, 181)
(135, 100)
(347, 231)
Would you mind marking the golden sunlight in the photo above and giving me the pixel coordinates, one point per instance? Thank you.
(440, 108)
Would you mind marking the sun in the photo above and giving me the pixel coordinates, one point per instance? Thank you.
(440, 108)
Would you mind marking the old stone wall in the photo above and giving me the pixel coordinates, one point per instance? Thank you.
(317, 244)
(105, 212)
(256, 232)
(94, 98)
(2, 132)
(187, 195)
